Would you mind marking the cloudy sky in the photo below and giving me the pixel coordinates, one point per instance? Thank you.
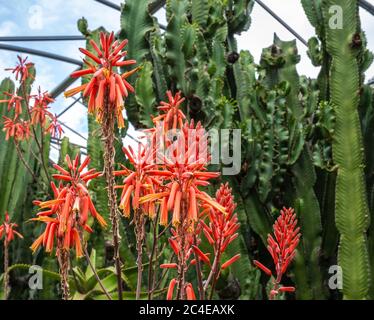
(58, 17)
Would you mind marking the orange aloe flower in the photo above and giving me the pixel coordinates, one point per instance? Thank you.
(172, 117)
(68, 211)
(7, 229)
(105, 80)
(39, 111)
(14, 101)
(21, 70)
(140, 182)
(18, 129)
(282, 248)
(184, 171)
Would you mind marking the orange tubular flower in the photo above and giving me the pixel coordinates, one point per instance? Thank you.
(184, 172)
(105, 83)
(282, 248)
(139, 182)
(40, 108)
(67, 213)
(21, 70)
(7, 229)
(14, 101)
(19, 130)
(173, 117)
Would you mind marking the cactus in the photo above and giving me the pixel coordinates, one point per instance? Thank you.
(351, 206)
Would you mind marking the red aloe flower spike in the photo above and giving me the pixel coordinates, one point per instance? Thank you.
(220, 232)
(282, 248)
(105, 78)
(21, 70)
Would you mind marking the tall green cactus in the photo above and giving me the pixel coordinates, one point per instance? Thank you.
(352, 214)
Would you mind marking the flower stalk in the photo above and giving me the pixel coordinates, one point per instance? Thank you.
(63, 258)
(7, 230)
(6, 266)
(140, 234)
(109, 153)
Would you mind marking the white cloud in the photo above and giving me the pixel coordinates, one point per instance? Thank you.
(8, 28)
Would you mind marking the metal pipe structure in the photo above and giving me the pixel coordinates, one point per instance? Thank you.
(110, 4)
(40, 53)
(63, 85)
(74, 131)
(42, 38)
(367, 6)
(68, 107)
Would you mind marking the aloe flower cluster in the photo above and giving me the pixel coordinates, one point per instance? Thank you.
(282, 248)
(66, 214)
(105, 91)
(170, 172)
(24, 116)
(106, 83)
(220, 230)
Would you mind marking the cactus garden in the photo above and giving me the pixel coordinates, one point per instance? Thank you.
(204, 174)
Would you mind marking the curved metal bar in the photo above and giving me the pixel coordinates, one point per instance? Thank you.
(40, 53)
(110, 4)
(367, 6)
(42, 38)
(74, 131)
